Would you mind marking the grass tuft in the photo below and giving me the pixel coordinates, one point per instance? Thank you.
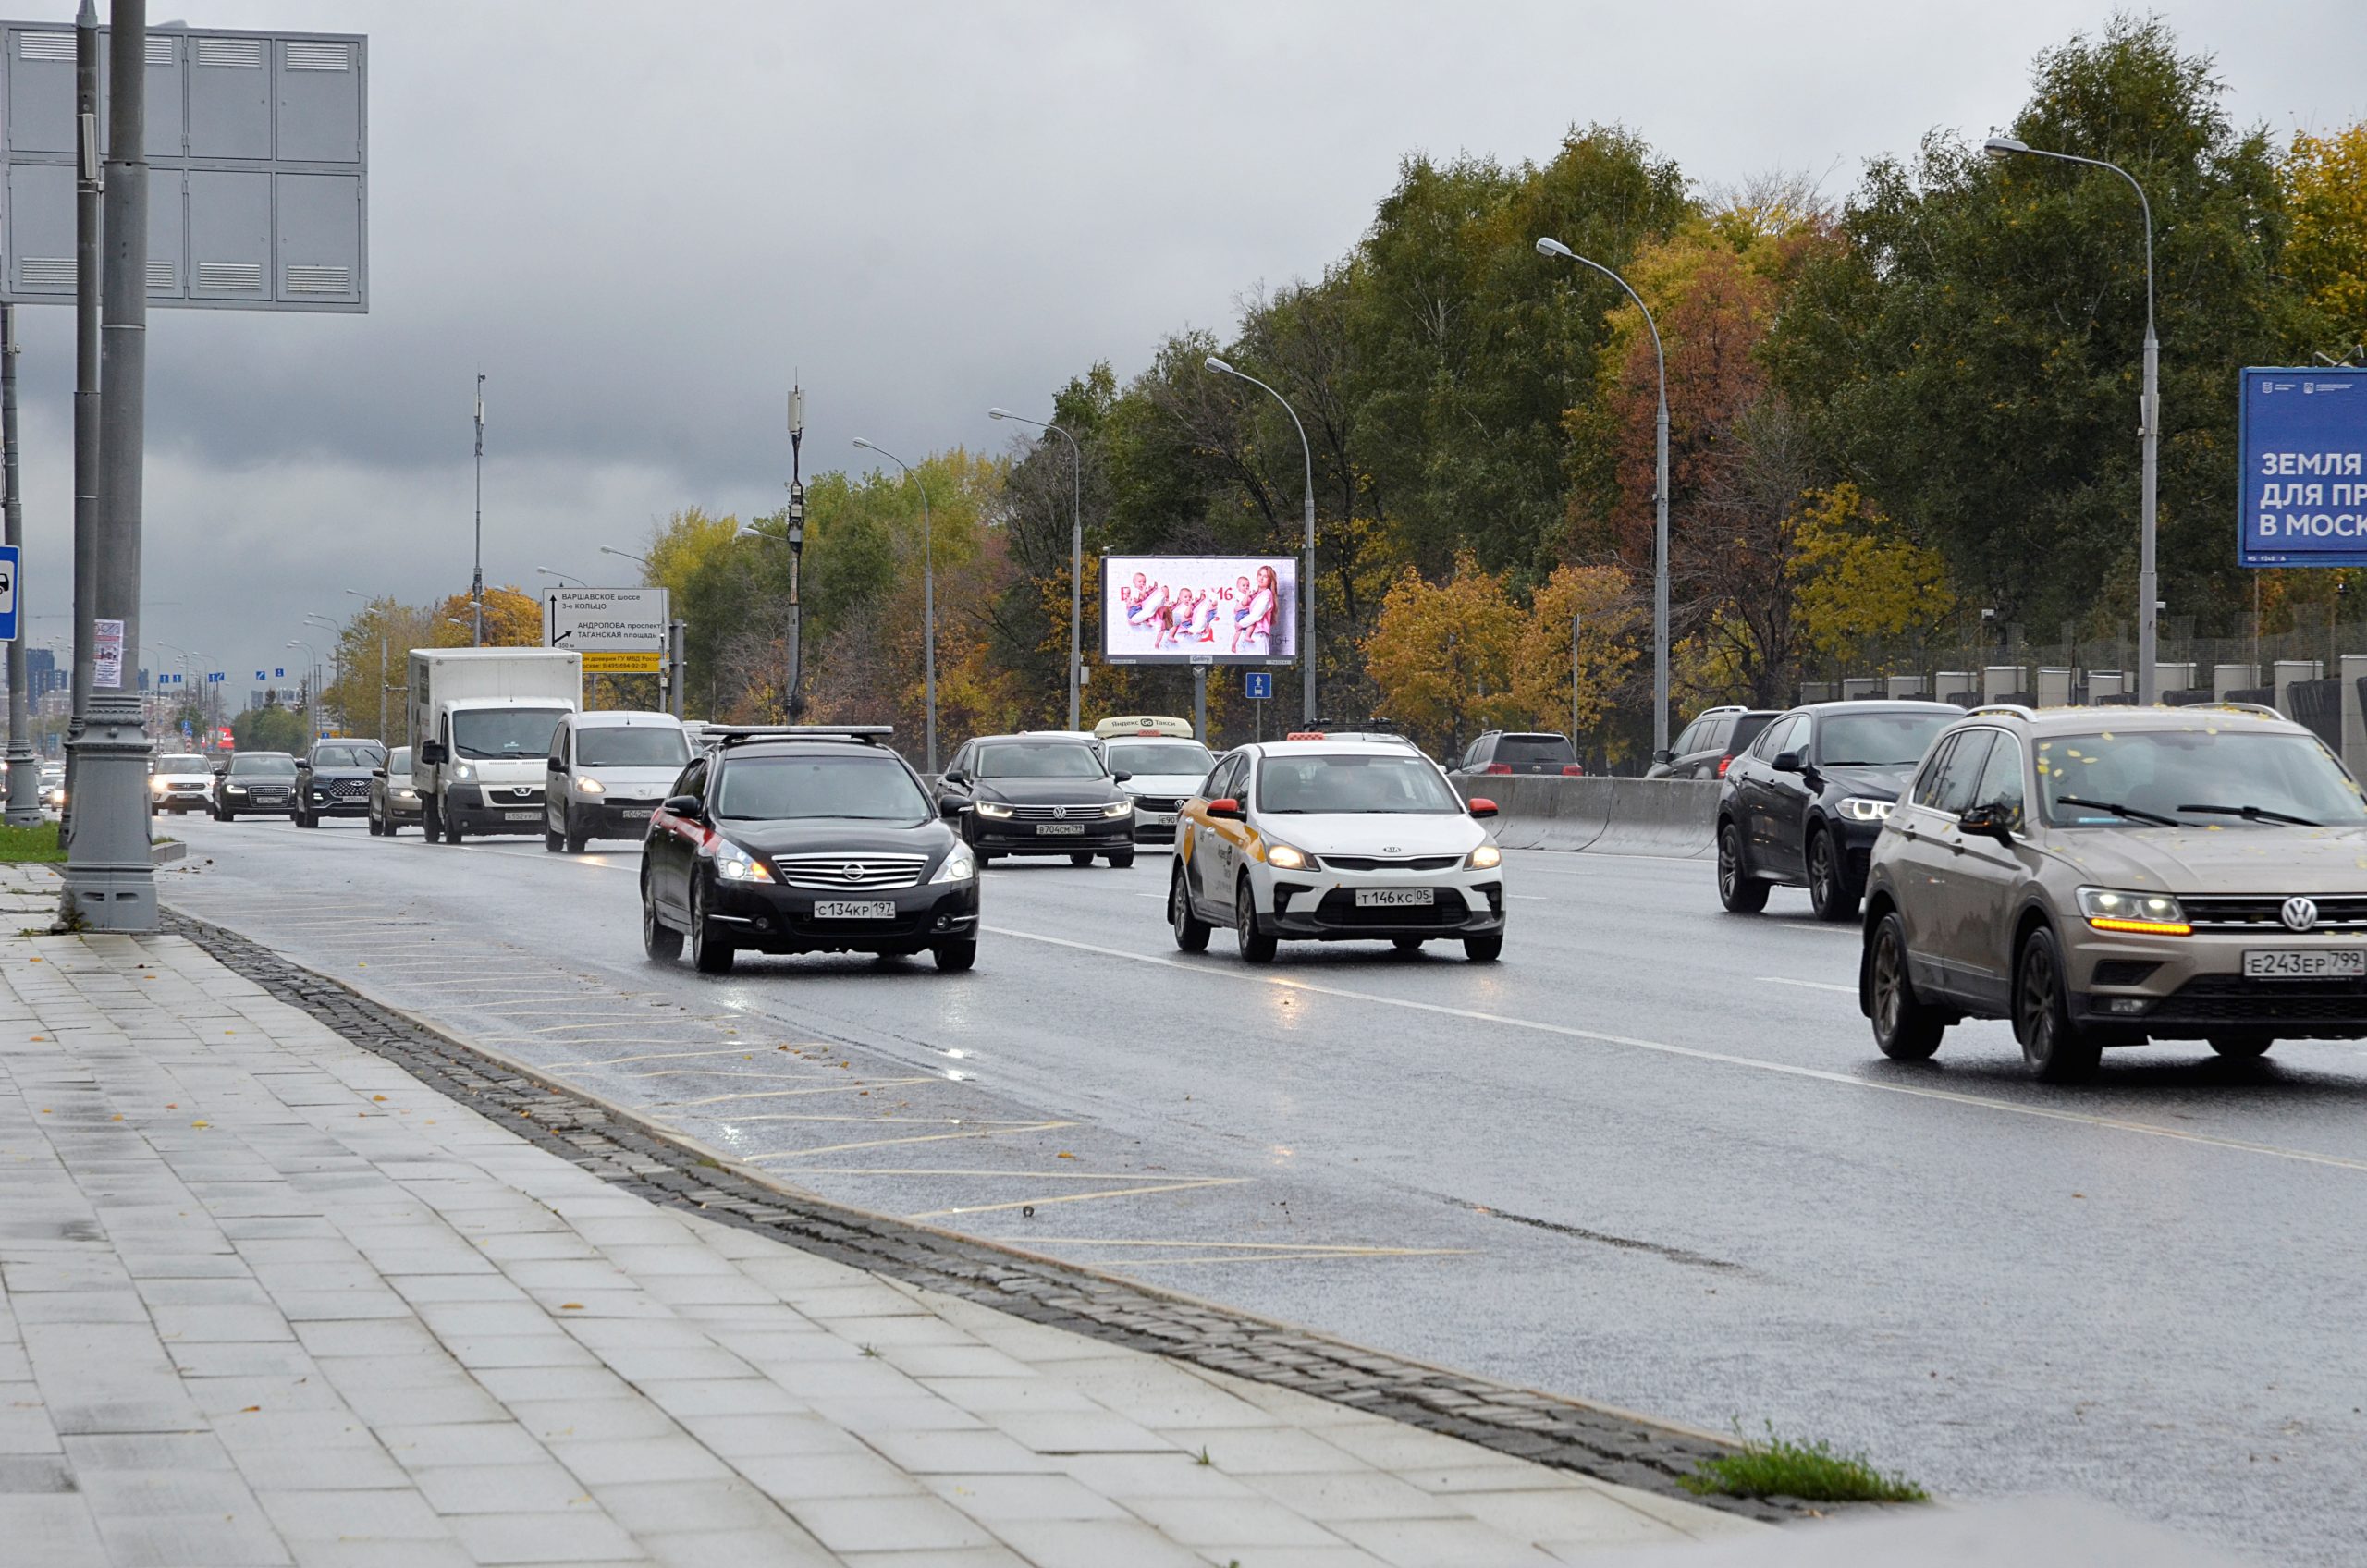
(1809, 1471)
(30, 846)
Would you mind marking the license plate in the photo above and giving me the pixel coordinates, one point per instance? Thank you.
(1393, 898)
(834, 909)
(519, 815)
(1165, 819)
(636, 817)
(2305, 964)
(1055, 830)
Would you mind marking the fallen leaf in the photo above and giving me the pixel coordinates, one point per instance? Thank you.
(249, 1410)
(117, 1117)
(1064, 1154)
(45, 1110)
(200, 1123)
(379, 1099)
(570, 1307)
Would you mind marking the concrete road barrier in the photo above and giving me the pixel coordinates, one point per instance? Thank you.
(1636, 817)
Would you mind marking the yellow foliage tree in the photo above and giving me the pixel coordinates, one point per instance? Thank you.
(1440, 654)
(513, 619)
(1856, 577)
(1603, 598)
(2326, 193)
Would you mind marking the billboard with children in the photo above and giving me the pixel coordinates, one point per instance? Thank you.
(1199, 609)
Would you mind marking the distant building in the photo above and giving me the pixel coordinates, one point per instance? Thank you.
(41, 674)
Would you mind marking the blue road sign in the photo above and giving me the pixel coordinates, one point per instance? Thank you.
(277, 674)
(213, 676)
(2301, 435)
(1258, 684)
(10, 561)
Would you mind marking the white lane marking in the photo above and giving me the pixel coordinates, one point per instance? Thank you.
(1694, 1053)
(1702, 859)
(1808, 984)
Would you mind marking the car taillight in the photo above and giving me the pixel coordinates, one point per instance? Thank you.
(1572, 770)
(1500, 768)
(1721, 766)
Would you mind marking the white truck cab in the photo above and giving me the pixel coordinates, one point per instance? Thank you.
(482, 720)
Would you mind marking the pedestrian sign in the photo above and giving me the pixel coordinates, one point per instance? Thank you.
(1258, 685)
(9, 557)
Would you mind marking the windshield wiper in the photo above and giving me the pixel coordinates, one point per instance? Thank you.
(2254, 814)
(2133, 812)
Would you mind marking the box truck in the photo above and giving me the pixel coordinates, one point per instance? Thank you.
(481, 724)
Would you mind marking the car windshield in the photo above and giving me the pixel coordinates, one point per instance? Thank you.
(633, 745)
(263, 765)
(504, 732)
(189, 763)
(2202, 776)
(777, 788)
(398, 760)
(345, 756)
(1160, 756)
(1038, 759)
(1880, 740)
(1528, 750)
(1353, 781)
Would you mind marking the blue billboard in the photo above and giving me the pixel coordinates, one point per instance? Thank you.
(2303, 436)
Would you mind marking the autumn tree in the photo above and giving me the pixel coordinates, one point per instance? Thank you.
(514, 619)
(1602, 603)
(1440, 654)
(1859, 579)
(2326, 192)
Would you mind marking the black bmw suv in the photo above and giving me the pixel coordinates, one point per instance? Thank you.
(1040, 795)
(805, 839)
(333, 779)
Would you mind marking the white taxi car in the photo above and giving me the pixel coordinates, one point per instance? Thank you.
(1335, 840)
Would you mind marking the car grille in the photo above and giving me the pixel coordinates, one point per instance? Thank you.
(2231, 999)
(838, 873)
(496, 796)
(2263, 913)
(267, 794)
(1157, 803)
(348, 789)
(1382, 863)
(1056, 814)
(1338, 908)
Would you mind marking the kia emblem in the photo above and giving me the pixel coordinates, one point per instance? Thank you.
(2300, 914)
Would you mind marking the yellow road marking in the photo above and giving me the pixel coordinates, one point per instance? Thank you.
(1083, 1197)
(927, 1138)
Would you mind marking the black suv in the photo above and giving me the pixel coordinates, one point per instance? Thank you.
(1500, 751)
(1040, 795)
(1709, 744)
(1805, 804)
(804, 839)
(333, 779)
(255, 783)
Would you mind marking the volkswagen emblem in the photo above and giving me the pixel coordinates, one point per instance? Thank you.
(1059, 811)
(2300, 914)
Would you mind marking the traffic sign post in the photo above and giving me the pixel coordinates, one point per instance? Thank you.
(1259, 685)
(2301, 440)
(617, 631)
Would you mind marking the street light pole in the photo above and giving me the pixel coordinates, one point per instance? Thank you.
(794, 678)
(311, 690)
(1076, 556)
(476, 580)
(2149, 427)
(1307, 587)
(23, 808)
(928, 594)
(1549, 247)
(383, 651)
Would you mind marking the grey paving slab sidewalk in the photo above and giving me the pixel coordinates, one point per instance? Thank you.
(266, 1299)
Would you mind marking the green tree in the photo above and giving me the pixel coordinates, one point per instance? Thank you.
(270, 729)
(2325, 190)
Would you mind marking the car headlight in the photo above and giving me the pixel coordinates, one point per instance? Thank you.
(992, 808)
(959, 866)
(1865, 808)
(1487, 857)
(1288, 857)
(464, 772)
(1119, 808)
(158, 786)
(2143, 914)
(590, 787)
(234, 788)
(736, 864)
(406, 793)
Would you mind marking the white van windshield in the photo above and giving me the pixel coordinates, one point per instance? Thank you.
(495, 733)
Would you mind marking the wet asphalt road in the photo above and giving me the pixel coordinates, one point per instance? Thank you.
(1650, 1158)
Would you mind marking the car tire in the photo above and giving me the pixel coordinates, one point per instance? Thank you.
(1257, 944)
(2242, 1047)
(431, 818)
(1191, 932)
(952, 958)
(451, 830)
(225, 817)
(1484, 949)
(660, 940)
(552, 842)
(2057, 1048)
(1121, 859)
(1737, 890)
(1830, 894)
(1408, 945)
(1905, 1028)
(372, 823)
(576, 838)
(1084, 858)
(707, 955)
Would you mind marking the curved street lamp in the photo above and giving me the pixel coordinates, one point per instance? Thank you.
(628, 555)
(563, 576)
(1307, 586)
(1551, 247)
(928, 594)
(2149, 423)
(1076, 551)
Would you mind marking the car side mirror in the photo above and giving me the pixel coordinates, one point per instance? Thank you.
(1991, 821)
(1481, 806)
(1664, 755)
(1225, 808)
(1788, 762)
(957, 776)
(681, 805)
(554, 765)
(949, 807)
(432, 752)
(1119, 777)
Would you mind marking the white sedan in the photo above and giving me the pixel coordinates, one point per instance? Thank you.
(1335, 840)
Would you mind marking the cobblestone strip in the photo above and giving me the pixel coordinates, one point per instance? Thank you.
(1591, 1440)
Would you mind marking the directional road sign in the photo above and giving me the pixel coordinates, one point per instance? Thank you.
(618, 630)
(11, 557)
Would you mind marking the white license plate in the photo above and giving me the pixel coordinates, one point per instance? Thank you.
(835, 908)
(2305, 964)
(520, 816)
(1393, 898)
(1165, 819)
(1056, 829)
(636, 817)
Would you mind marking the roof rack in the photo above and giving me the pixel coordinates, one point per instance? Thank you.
(2017, 709)
(2261, 708)
(719, 735)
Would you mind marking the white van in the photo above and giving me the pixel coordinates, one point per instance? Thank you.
(608, 771)
(480, 720)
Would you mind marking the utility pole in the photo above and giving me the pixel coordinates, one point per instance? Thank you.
(476, 579)
(793, 692)
(24, 773)
(110, 879)
(1573, 683)
(89, 181)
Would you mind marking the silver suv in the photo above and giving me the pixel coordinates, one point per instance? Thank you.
(2111, 877)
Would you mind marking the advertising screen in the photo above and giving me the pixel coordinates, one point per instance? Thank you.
(2302, 435)
(1199, 609)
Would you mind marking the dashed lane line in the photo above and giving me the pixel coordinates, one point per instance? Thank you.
(1147, 1191)
(1804, 985)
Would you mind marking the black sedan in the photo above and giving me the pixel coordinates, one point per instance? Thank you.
(1803, 805)
(1040, 795)
(255, 784)
(805, 841)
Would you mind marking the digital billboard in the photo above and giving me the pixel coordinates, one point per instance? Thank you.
(2301, 438)
(1199, 609)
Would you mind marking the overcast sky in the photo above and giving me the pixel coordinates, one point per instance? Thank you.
(639, 219)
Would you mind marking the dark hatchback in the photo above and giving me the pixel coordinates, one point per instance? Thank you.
(1039, 795)
(804, 839)
(1803, 805)
(333, 779)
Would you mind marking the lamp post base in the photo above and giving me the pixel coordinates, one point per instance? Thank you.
(110, 874)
